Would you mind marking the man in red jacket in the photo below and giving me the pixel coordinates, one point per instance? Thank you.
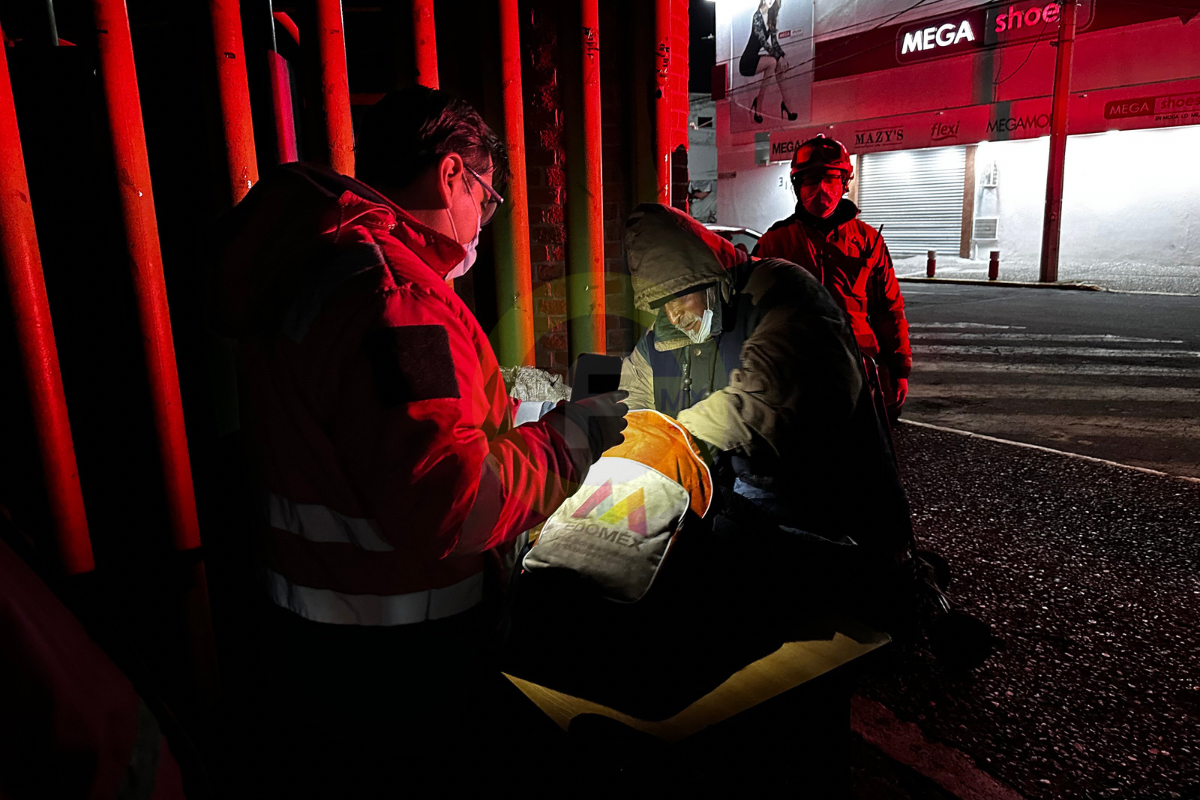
(385, 438)
(848, 257)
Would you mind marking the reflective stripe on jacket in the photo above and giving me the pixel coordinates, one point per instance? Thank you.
(853, 263)
(386, 438)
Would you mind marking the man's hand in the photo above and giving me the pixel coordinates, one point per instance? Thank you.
(606, 418)
(900, 393)
(590, 427)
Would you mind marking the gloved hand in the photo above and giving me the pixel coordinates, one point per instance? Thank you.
(899, 394)
(590, 427)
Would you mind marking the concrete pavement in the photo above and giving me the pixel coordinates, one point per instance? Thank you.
(1117, 276)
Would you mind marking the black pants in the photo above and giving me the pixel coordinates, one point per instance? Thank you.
(357, 711)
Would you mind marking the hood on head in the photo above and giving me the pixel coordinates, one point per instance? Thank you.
(670, 253)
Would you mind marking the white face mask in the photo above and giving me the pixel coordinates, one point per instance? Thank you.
(469, 260)
(705, 328)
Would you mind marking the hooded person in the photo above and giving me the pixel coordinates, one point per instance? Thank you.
(386, 450)
(756, 360)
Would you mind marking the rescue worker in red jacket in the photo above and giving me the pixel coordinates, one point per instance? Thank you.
(848, 257)
(389, 457)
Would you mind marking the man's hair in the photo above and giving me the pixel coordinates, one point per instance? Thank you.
(412, 129)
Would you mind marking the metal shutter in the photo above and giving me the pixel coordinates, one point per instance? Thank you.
(917, 195)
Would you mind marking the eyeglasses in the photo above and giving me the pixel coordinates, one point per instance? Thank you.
(492, 201)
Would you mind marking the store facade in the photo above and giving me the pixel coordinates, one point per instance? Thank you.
(947, 110)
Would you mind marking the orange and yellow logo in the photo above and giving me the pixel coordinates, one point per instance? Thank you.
(608, 510)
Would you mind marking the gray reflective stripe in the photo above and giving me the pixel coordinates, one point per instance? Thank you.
(319, 523)
(142, 772)
(340, 608)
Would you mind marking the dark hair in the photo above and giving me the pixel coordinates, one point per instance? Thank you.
(412, 129)
(773, 14)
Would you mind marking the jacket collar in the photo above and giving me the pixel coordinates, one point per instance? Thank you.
(360, 204)
(845, 212)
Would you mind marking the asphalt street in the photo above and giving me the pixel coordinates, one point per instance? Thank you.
(1105, 374)
(1086, 571)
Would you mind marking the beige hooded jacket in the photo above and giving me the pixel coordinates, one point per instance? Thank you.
(799, 364)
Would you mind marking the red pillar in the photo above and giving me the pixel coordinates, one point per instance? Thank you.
(1052, 221)
(425, 43)
(335, 88)
(514, 279)
(662, 101)
(234, 94)
(119, 79)
(35, 338)
(585, 287)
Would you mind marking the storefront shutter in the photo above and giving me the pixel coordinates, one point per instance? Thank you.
(917, 196)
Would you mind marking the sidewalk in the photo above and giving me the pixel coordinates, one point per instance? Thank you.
(1115, 277)
(1087, 572)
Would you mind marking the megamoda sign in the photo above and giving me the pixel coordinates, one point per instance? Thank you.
(982, 27)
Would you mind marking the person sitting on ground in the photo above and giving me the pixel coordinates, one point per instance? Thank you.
(757, 361)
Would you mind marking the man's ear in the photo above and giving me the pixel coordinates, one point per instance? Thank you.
(450, 173)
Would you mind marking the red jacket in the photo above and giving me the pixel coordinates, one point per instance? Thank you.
(853, 263)
(380, 414)
(71, 725)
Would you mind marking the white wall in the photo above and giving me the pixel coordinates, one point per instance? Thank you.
(1129, 197)
(757, 197)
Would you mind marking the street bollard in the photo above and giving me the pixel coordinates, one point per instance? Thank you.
(994, 265)
(930, 263)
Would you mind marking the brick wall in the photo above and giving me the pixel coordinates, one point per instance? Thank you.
(543, 28)
(545, 158)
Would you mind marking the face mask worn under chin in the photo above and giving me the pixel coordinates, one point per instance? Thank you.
(469, 260)
(705, 330)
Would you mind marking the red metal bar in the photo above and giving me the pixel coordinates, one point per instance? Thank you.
(281, 99)
(288, 24)
(425, 43)
(35, 338)
(119, 78)
(234, 93)
(514, 278)
(662, 100)
(335, 88)
(585, 289)
(1052, 221)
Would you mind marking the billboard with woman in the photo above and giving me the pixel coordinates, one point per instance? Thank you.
(770, 61)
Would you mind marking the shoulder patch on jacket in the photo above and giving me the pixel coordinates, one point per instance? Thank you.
(412, 363)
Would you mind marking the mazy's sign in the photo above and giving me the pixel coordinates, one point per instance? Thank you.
(984, 26)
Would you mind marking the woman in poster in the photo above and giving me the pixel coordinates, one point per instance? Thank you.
(764, 37)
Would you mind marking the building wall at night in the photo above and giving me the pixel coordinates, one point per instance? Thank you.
(1154, 212)
(1134, 70)
(626, 46)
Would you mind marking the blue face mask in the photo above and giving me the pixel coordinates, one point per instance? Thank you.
(705, 330)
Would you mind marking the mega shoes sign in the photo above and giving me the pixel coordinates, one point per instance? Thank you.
(982, 27)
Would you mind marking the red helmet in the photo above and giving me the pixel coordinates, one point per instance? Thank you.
(822, 153)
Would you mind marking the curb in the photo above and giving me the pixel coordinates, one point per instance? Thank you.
(1082, 287)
